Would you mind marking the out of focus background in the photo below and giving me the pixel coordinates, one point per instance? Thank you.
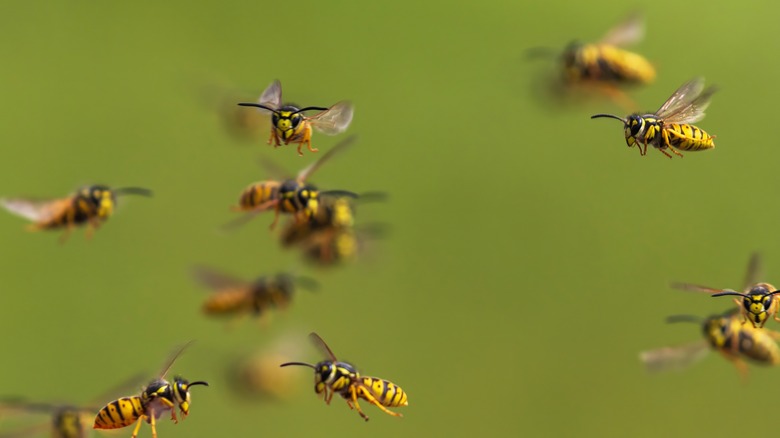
(529, 252)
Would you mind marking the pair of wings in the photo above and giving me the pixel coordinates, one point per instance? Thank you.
(629, 31)
(687, 103)
(332, 121)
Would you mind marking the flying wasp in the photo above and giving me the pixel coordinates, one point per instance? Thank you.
(233, 296)
(332, 376)
(724, 333)
(294, 196)
(759, 301)
(67, 421)
(291, 126)
(604, 65)
(156, 398)
(331, 236)
(90, 205)
(670, 127)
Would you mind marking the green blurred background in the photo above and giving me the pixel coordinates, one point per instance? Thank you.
(530, 252)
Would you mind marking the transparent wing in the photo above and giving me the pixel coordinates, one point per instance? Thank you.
(130, 386)
(334, 120)
(699, 288)
(28, 431)
(674, 358)
(687, 104)
(304, 174)
(272, 96)
(214, 279)
(18, 404)
(35, 210)
(322, 346)
(172, 359)
(629, 31)
(753, 272)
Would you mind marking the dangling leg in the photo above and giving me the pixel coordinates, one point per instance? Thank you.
(153, 423)
(276, 218)
(353, 391)
(371, 399)
(137, 426)
(328, 395)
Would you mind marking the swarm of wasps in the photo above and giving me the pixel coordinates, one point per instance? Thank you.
(738, 333)
(321, 223)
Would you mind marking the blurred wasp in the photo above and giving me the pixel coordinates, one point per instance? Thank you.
(257, 376)
(332, 376)
(330, 236)
(759, 301)
(67, 421)
(724, 333)
(294, 196)
(670, 127)
(291, 126)
(240, 124)
(91, 205)
(234, 296)
(603, 65)
(156, 398)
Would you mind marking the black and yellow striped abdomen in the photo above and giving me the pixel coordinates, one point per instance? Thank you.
(258, 194)
(593, 62)
(230, 301)
(120, 413)
(686, 137)
(385, 392)
(757, 345)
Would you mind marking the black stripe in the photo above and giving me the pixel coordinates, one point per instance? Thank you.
(117, 406)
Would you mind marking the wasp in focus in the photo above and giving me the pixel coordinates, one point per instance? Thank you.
(759, 301)
(233, 296)
(604, 65)
(293, 196)
(671, 126)
(156, 398)
(332, 376)
(67, 421)
(291, 126)
(724, 333)
(90, 205)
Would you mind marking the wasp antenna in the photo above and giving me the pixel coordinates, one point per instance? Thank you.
(134, 191)
(258, 106)
(611, 116)
(340, 193)
(310, 108)
(374, 197)
(723, 294)
(683, 318)
(199, 382)
(774, 292)
(304, 364)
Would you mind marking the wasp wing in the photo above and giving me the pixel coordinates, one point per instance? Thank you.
(215, 279)
(753, 272)
(305, 173)
(334, 120)
(699, 288)
(322, 346)
(272, 96)
(674, 358)
(629, 31)
(18, 404)
(687, 103)
(28, 431)
(172, 359)
(36, 210)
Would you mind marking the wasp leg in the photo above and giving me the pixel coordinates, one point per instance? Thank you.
(276, 218)
(619, 97)
(153, 423)
(371, 399)
(353, 391)
(666, 133)
(275, 137)
(328, 396)
(137, 426)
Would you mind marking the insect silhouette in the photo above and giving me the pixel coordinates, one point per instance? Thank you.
(671, 126)
(289, 125)
(333, 376)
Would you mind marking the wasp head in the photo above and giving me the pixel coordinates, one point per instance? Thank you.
(101, 198)
(181, 393)
(287, 118)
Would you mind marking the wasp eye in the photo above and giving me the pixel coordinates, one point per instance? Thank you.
(296, 119)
